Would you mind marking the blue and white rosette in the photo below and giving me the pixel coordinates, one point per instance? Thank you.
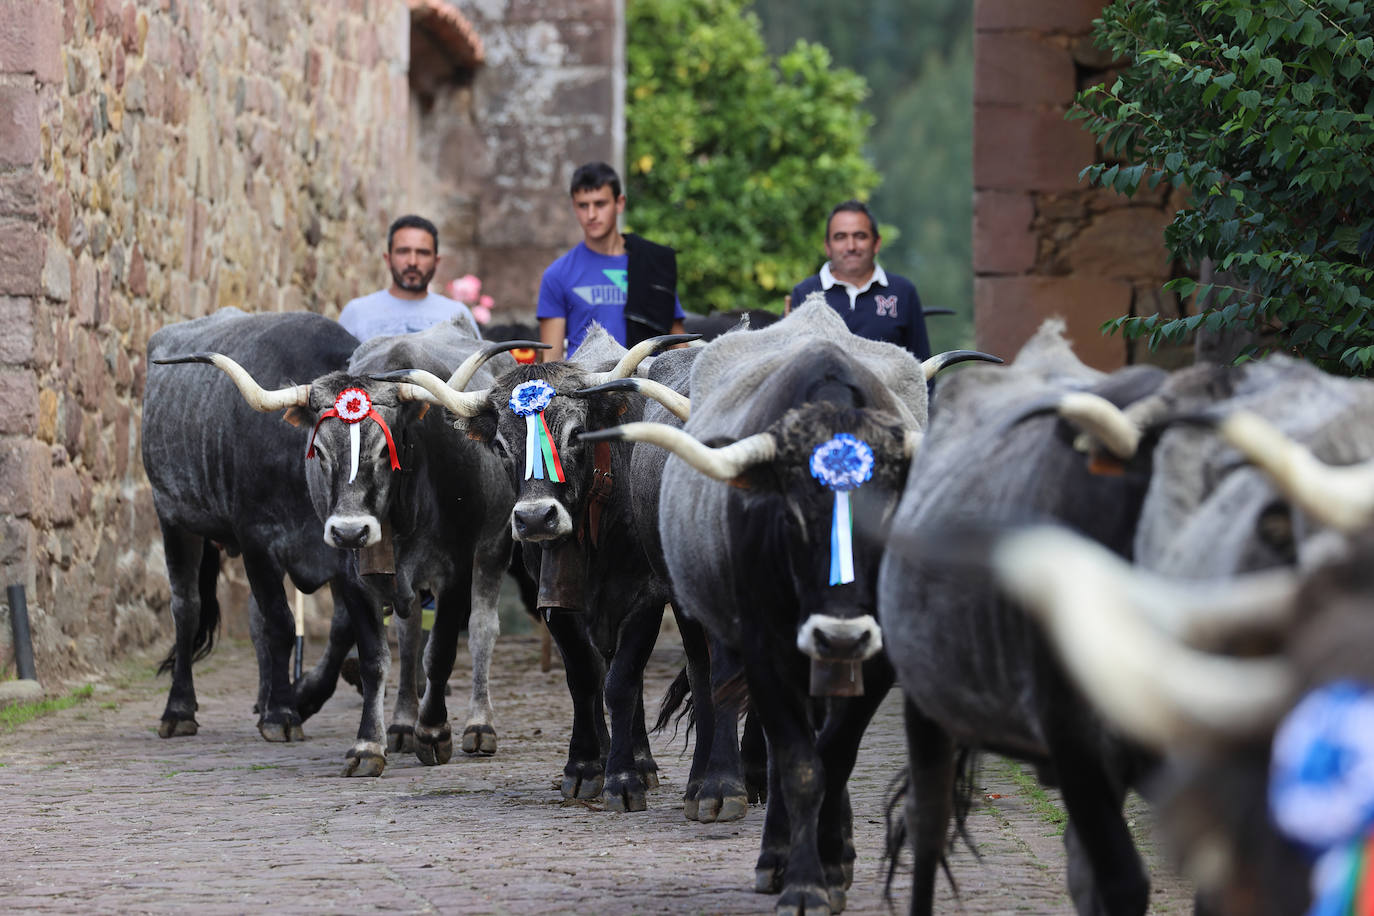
(528, 400)
(842, 463)
(1321, 789)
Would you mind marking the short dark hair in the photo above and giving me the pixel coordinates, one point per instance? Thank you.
(411, 221)
(852, 206)
(595, 175)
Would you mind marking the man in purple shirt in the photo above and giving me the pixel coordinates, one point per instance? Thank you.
(625, 283)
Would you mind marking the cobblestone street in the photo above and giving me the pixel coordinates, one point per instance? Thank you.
(101, 815)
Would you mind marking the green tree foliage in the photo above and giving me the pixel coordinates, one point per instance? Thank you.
(1265, 110)
(733, 157)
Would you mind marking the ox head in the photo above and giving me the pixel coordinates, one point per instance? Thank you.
(534, 417)
(1269, 763)
(815, 491)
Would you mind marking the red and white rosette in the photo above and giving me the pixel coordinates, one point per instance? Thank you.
(353, 406)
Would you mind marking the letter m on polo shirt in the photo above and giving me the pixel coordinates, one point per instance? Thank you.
(887, 306)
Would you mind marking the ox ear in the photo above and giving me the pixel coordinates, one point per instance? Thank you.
(480, 428)
(297, 416)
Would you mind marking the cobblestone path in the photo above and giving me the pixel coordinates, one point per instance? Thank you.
(100, 815)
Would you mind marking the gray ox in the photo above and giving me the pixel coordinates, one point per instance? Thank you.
(225, 476)
(750, 561)
(1180, 496)
(605, 626)
(444, 511)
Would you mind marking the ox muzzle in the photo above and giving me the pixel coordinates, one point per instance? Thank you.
(352, 532)
(540, 519)
(839, 639)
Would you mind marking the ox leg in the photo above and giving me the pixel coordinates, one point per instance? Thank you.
(838, 744)
(453, 604)
(797, 783)
(753, 748)
(1105, 872)
(721, 795)
(317, 685)
(484, 625)
(410, 638)
(928, 802)
(274, 639)
(367, 756)
(585, 772)
(195, 616)
(630, 767)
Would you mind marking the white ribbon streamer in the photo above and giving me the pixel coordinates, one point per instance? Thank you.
(355, 439)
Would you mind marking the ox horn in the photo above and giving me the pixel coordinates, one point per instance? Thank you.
(419, 385)
(1102, 420)
(931, 367)
(677, 404)
(724, 463)
(1148, 683)
(464, 373)
(258, 398)
(640, 352)
(1339, 496)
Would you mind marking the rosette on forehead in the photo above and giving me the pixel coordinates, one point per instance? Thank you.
(352, 406)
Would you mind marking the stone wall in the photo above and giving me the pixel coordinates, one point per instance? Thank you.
(158, 160)
(549, 98)
(1043, 242)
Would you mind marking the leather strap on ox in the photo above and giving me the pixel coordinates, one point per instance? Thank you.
(602, 482)
(353, 406)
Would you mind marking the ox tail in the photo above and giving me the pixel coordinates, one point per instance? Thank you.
(965, 780)
(204, 640)
(679, 694)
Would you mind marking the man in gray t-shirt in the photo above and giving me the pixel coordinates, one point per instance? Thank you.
(412, 256)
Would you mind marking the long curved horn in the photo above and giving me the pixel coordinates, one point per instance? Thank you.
(426, 386)
(1102, 420)
(676, 404)
(1153, 687)
(724, 463)
(640, 352)
(464, 373)
(1339, 496)
(258, 398)
(930, 367)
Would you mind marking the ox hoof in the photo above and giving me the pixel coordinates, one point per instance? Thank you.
(719, 810)
(804, 901)
(479, 740)
(281, 731)
(690, 808)
(401, 739)
(625, 792)
(767, 880)
(582, 782)
(177, 728)
(434, 746)
(838, 899)
(366, 758)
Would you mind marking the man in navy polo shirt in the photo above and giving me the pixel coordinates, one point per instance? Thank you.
(874, 303)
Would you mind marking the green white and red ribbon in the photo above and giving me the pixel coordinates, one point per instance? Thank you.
(528, 400)
(1321, 792)
(353, 406)
(842, 463)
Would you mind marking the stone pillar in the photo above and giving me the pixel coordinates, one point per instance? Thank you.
(1043, 242)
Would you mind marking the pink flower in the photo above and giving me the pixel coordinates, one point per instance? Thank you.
(465, 289)
(482, 312)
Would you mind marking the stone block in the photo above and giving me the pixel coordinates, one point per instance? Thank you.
(20, 195)
(84, 290)
(18, 402)
(1002, 239)
(1015, 149)
(16, 343)
(1008, 310)
(1020, 68)
(1073, 16)
(57, 274)
(31, 39)
(47, 415)
(67, 495)
(19, 133)
(25, 468)
(1124, 243)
